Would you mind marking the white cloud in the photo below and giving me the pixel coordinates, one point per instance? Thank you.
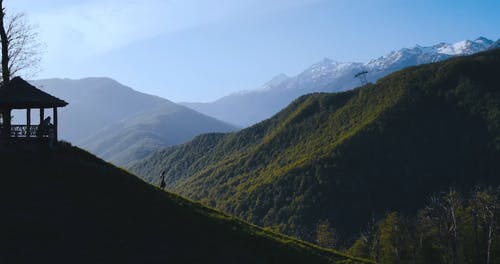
(93, 27)
(79, 29)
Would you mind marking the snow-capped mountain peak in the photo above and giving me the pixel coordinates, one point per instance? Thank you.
(327, 75)
(328, 67)
(453, 49)
(419, 54)
(464, 47)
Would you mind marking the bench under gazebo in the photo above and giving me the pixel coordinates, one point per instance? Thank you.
(18, 94)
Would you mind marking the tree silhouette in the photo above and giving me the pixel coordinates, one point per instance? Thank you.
(20, 45)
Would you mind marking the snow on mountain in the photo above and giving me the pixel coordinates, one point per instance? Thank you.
(419, 55)
(327, 75)
(328, 71)
(328, 68)
(322, 74)
(403, 58)
(465, 47)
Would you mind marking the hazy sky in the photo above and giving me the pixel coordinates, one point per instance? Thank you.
(200, 50)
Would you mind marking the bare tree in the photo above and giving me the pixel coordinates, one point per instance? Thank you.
(373, 239)
(21, 49)
(486, 207)
(442, 214)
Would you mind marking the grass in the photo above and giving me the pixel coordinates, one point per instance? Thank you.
(67, 206)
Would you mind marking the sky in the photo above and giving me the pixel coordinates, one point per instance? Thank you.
(201, 50)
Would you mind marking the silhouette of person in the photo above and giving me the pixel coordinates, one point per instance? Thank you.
(46, 121)
(162, 180)
(44, 127)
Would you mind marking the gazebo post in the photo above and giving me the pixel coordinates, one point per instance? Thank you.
(41, 122)
(28, 122)
(7, 119)
(55, 123)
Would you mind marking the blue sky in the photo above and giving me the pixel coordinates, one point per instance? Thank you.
(201, 50)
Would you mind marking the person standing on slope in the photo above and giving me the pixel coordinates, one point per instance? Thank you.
(162, 180)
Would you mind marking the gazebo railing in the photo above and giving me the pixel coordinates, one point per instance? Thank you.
(21, 131)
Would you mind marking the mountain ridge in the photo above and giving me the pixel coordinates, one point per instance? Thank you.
(121, 124)
(328, 75)
(348, 155)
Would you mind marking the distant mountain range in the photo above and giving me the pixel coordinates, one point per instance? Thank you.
(120, 124)
(250, 107)
(349, 156)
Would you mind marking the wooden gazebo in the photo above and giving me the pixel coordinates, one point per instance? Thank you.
(19, 94)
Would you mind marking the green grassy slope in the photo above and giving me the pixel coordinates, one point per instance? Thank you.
(348, 156)
(67, 206)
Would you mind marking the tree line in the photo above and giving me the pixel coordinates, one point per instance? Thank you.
(453, 227)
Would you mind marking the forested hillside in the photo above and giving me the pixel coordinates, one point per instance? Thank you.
(351, 156)
(66, 206)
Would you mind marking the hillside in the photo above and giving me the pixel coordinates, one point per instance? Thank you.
(350, 156)
(250, 107)
(120, 124)
(91, 107)
(67, 206)
(125, 142)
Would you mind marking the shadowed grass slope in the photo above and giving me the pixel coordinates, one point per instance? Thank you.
(67, 206)
(348, 156)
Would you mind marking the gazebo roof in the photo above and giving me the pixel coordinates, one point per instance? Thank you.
(19, 94)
